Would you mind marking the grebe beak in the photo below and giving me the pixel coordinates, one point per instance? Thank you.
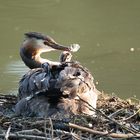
(49, 42)
(56, 46)
(71, 48)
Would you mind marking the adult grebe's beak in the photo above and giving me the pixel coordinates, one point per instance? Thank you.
(48, 41)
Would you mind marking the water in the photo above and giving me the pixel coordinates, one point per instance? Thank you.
(107, 31)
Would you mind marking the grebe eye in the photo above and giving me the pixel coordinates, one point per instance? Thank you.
(45, 43)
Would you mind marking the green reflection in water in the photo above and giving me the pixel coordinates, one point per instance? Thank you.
(106, 31)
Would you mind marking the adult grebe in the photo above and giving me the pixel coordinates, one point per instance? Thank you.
(51, 87)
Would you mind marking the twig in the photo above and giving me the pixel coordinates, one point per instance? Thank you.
(45, 130)
(40, 122)
(115, 113)
(30, 132)
(29, 137)
(8, 133)
(67, 133)
(113, 120)
(76, 137)
(51, 128)
(113, 135)
(126, 119)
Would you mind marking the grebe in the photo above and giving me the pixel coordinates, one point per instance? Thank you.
(51, 87)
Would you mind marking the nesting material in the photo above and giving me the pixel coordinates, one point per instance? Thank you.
(115, 118)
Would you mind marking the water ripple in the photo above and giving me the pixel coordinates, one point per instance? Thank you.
(16, 68)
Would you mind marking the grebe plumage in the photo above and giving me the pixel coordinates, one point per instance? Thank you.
(51, 87)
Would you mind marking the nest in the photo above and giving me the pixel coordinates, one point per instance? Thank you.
(115, 118)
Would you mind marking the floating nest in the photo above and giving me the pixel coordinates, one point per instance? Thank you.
(114, 119)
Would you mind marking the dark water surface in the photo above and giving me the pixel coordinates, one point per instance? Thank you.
(108, 32)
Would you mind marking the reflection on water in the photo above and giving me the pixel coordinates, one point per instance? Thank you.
(107, 31)
(16, 68)
(12, 74)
